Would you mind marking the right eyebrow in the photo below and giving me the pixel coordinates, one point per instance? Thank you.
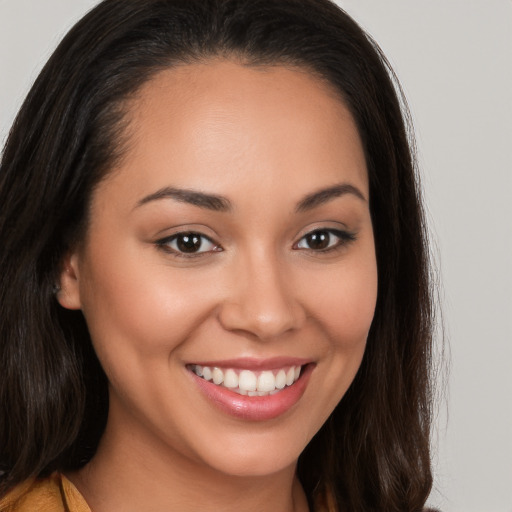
(202, 200)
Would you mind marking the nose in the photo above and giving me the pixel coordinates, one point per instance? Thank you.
(261, 301)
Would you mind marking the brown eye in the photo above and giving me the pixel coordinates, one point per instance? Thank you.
(188, 244)
(318, 240)
(322, 240)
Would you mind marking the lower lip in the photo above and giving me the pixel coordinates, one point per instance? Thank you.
(255, 408)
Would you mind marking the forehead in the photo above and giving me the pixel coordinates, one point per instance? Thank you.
(213, 124)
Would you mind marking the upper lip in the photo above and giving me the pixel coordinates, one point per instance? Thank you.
(251, 363)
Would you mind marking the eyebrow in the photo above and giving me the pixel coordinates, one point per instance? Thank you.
(208, 201)
(325, 195)
(222, 204)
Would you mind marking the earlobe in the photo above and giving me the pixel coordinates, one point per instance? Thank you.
(67, 289)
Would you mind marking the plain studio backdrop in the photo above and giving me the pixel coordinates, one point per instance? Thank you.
(454, 60)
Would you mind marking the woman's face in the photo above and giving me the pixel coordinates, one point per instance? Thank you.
(231, 249)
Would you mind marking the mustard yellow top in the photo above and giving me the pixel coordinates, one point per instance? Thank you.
(53, 494)
(57, 494)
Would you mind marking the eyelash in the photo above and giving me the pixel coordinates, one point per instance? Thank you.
(344, 238)
(165, 244)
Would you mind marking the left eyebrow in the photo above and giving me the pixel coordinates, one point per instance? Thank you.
(328, 194)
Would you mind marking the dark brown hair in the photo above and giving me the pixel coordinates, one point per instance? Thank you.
(373, 452)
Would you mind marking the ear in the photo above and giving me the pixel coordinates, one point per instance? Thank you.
(68, 290)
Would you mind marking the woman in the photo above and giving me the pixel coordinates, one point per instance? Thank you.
(215, 287)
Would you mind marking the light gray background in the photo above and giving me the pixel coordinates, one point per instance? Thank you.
(454, 59)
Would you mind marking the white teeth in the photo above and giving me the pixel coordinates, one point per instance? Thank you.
(290, 376)
(218, 376)
(266, 381)
(281, 379)
(207, 373)
(230, 379)
(247, 382)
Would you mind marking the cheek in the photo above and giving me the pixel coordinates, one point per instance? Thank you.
(345, 302)
(344, 313)
(135, 309)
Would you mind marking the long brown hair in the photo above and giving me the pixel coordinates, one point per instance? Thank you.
(373, 452)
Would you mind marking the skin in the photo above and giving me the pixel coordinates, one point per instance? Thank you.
(264, 139)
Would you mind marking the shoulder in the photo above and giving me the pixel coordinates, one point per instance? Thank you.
(52, 494)
(37, 494)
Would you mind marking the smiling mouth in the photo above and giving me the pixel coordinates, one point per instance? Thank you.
(247, 382)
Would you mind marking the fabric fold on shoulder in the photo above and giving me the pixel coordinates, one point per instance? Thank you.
(52, 494)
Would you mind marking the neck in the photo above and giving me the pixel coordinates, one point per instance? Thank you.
(131, 474)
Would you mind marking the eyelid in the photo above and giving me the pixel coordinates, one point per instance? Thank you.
(165, 244)
(344, 237)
